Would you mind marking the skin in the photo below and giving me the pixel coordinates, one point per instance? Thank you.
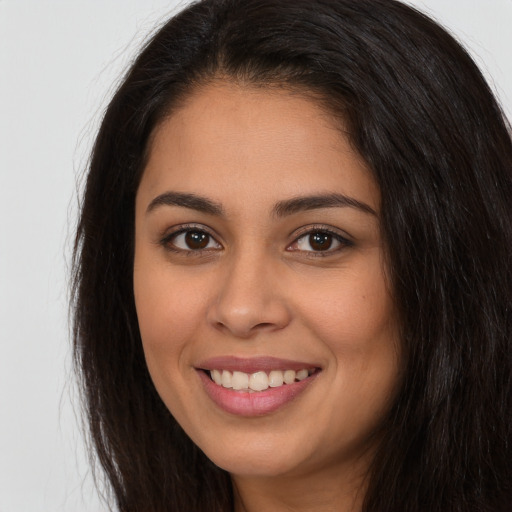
(259, 289)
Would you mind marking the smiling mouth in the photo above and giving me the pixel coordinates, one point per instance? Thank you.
(257, 386)
(258, 381)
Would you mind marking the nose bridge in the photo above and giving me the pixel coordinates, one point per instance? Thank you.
(248, 300)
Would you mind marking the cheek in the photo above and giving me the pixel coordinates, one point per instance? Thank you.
(167, 314)
(353, 311)
(167, 311)
(355, 318)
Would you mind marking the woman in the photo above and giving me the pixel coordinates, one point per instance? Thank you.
(293, 279)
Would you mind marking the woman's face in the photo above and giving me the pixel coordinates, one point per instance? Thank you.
(259, 263)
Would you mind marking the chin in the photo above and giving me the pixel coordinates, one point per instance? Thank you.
(262, 458)
(256, 466)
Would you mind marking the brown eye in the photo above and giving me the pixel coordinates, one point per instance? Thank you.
(191, 240)
(320, 241)
(196, 240)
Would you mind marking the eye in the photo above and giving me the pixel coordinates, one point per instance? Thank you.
(190, 240)
(319, 241)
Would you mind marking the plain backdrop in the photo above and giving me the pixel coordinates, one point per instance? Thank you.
(59, 62)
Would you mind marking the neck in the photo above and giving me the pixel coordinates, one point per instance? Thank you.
(320, 491)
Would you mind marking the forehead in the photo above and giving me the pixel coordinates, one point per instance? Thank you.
(228, 138)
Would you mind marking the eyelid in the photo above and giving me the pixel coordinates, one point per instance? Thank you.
(339, 235)
(343, 238)
(179, 229)
(313, 228)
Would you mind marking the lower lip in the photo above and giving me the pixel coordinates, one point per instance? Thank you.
(259, 403)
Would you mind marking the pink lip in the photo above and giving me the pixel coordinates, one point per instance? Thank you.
(253, 364)
(259, 403)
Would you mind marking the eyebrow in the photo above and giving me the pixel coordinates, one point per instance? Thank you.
(192, 201)
(280, 209)
(315, 202)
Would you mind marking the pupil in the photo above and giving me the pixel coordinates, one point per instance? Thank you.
(320, 241)
(196, 240)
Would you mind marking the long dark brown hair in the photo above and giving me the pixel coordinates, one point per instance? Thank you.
(425, 121)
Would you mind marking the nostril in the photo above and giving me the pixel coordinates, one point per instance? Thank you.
(241, 330)
(264, 325)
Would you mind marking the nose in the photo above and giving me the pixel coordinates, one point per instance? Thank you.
(249, 300)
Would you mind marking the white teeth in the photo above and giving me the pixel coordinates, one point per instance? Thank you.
(226, 379)
(301, 374)
(216, 376)
(275, 379)
(240, 380)
(258, 381)
(289, 376)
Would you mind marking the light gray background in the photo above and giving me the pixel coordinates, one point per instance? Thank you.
(58, 63)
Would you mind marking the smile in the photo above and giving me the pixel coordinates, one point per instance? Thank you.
(256, 386)
(258, 381)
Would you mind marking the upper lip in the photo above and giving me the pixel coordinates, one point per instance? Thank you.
(253, 364)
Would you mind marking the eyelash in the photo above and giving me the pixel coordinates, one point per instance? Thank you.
(315, 230)
(167, 241)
